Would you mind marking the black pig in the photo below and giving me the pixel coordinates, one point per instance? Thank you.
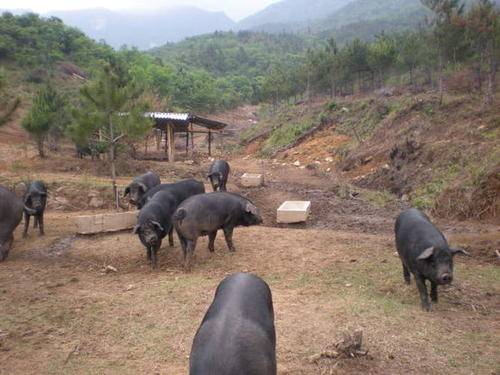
(205, 214)
(140, 186)
(11, 214)
(155, 222)
(424, 252)
(181, 190)
(237, 334)
(35, 199)
(218, 175)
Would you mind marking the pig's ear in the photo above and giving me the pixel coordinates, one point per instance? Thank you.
(127, 191)
(143, 187)
(459, 251)
(158, 225)
(427, 253)
(251, 209)
(27, 198)
(136, 229)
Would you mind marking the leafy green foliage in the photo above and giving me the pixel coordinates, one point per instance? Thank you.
(47, 112)
(110, 105)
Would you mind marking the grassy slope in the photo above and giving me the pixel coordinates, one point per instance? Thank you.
(457, 146)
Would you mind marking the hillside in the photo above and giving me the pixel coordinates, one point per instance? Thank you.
(403, 144)
(364, 19)
(233, 53)
(291, 12)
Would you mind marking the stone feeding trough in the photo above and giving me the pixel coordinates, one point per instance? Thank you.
(252, 180)
(115, 222)
(293, 212)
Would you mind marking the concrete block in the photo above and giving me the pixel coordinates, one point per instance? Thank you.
(293, 212)
(91, 224)
(252, 180)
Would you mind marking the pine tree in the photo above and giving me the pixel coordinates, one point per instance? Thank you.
(8, 107)
(483, 31)
(44, 115)
(110, 107)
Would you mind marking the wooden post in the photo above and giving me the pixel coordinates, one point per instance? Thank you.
(209, 143)
(159, 136)
(170, 142)
(187, 140)
(192, 138)
(166, 142)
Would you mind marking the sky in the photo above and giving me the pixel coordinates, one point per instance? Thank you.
(236, 9)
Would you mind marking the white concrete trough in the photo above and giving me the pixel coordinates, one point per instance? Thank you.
(293, 212)
(92, 224)
(252, 180)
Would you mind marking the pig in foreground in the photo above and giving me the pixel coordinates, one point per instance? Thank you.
(155, 222)
(205, 214)
(11, 214)
(424, 252)
(218, 175)
(36, 200)
(181, 190)
(237, 334)
(140, 186)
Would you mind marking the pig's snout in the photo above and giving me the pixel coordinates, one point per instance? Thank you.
(445, 278)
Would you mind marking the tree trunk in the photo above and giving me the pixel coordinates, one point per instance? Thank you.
(490, 95)
(112, 154)
(308, 87)
(440, 79)
(39, 145)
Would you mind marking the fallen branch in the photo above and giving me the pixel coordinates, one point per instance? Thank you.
(348, 347)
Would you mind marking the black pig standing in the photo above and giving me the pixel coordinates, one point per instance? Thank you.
(424, 252)
(181, 190)
(11, 214)
(218, 175)
(155, 222)
(237, 334)
(205, 214)
(35, 199)
(140, 186)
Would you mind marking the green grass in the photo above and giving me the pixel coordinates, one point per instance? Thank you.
(379, 199)
(285, 135)
(425, 196)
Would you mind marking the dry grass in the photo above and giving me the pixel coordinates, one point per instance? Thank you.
(67, 317)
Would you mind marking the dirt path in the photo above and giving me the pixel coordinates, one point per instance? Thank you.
(61, 313)
(60, 310)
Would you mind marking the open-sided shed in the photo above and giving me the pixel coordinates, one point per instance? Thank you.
(170, 123)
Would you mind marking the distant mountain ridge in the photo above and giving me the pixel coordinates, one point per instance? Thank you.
(144, 30)
(291, 12)
(147, 29)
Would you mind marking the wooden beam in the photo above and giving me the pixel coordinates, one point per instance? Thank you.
(170, 143)
(166, 143)
(192, 138)
(209, 143)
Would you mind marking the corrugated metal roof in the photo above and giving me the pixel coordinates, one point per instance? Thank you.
(168, 116)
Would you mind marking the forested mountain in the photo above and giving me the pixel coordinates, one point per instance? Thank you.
(291, 12)
(243, 53)
(146, 29)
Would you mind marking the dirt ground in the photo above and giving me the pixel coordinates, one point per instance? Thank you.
(61, 312)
